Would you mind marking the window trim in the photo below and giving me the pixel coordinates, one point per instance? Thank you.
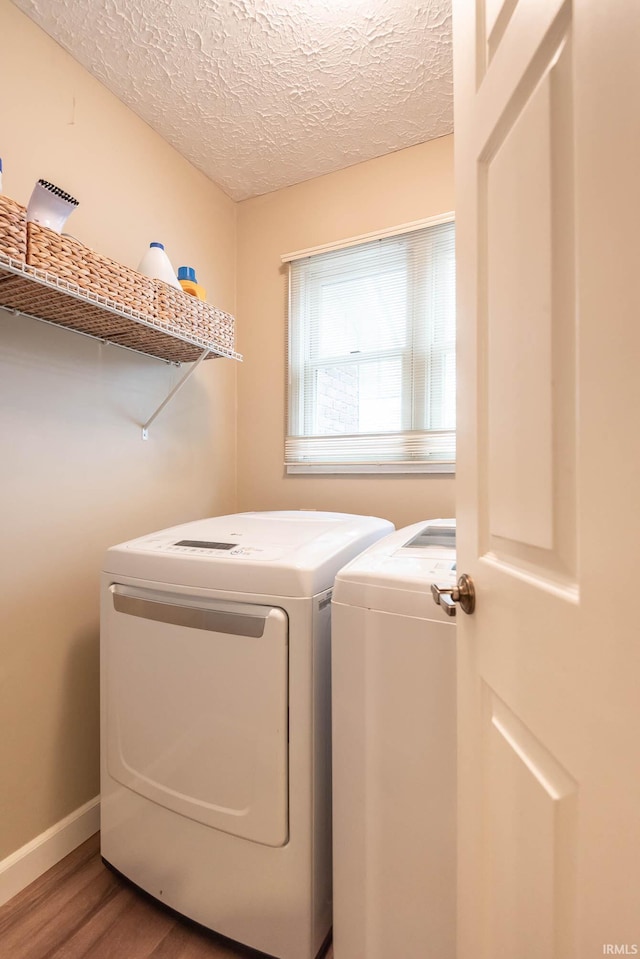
(423, 466)
(411, 227)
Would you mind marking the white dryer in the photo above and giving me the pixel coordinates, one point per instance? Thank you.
(215, 719)
(394, 750)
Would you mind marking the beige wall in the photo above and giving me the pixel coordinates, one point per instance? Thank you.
(75, 475)
(386, 192)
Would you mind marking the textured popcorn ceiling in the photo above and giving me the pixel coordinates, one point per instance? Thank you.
(260, 94)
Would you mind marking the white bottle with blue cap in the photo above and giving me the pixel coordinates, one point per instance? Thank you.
(156, 264)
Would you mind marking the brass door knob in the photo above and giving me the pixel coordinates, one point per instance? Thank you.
(463, 593)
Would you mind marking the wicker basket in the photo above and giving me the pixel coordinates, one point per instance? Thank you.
(70, 260)
(187, 314)
(13, 229)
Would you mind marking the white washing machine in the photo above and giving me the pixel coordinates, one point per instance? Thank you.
(215, 716)
(394, 750)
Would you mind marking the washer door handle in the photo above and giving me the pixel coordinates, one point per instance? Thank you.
(463, 593)
(194, 617)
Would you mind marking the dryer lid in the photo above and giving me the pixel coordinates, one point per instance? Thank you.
(285, 553)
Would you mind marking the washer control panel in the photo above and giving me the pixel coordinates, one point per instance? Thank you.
(203, 545)
(208, 549)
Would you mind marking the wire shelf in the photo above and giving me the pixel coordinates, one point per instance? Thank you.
(39, 294)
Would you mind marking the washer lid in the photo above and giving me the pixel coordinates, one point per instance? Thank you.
(395, 574)
(284, 553)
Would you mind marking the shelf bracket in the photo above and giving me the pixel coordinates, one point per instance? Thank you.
(176, 388)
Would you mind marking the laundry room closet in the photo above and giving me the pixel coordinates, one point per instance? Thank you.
(76, 475)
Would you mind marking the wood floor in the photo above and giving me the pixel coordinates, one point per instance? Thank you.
(82, 910)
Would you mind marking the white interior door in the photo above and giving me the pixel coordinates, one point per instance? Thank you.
(547, 171)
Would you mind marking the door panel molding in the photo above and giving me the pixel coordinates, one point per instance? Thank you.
(530, 809)
(527, 335)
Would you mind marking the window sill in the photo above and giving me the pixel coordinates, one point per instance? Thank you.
(370, 468)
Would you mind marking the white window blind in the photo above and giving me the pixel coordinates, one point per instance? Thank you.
(372, 356)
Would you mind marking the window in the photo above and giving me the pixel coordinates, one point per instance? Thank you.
(372, 355)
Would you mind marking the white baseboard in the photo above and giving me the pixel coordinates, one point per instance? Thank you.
(24, 865)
